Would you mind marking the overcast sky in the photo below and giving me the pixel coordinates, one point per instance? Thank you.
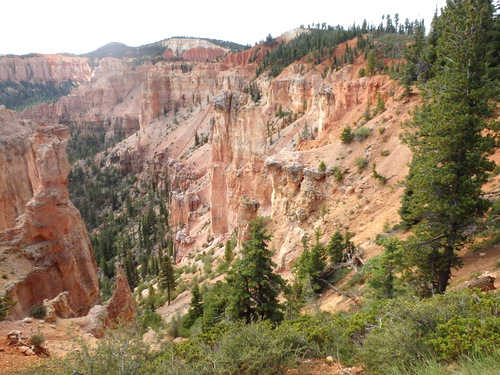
(55, 26)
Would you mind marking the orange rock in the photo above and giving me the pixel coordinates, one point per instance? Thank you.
(121, 306)
(49, 252)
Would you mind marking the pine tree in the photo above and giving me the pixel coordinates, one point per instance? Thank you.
(228, 252)
(131, 269)
(385, 270)
(253, 284)
(311, 263)
(451, 139)
(196, 305)
(371, 63)
(167, 276)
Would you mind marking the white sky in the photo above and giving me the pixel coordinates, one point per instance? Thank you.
(56, 26)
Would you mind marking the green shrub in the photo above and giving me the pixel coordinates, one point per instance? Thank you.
(322, 166)
(412, 331)
(5, 304)
(361, 133)
(377, 175)
(319, 335)
(38, 312)
(460, 336)
(346, 135)
(361, 163)
(37, 340)
(151, 319)
(338, 174)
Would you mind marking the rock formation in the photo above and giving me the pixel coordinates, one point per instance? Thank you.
(121, 306)
(38, 68)
(58, 307)
(15, 184)
(48, 251)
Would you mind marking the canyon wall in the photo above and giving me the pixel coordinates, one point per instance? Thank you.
(15, 185)
(48, 250)
(37, 68)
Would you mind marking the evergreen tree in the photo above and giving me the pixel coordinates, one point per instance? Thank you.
(196, 305)
(311, 263)
(131, 269)
(340, 246)
(386, 269)
(228, 252)
(451, 144)
(254, 287)
(416, 66)
(215, 302)
(371, 63)
(167, 276)
(335, 247)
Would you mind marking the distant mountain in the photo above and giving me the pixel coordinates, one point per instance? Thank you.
(120, 50)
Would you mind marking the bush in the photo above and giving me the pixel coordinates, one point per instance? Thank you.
(346, 135)
(361, 133)
(377, 175)
(38, 312)
(338, 174)
(37, 340)
(465, 335)
(151, 319)
(411, 331)
(319, 335)
(4, 306)
(361, 163)
(322, 166)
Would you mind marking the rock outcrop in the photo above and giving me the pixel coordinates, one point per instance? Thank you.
(191, 49)
(121, 306)
(59, 307)
(48, 251)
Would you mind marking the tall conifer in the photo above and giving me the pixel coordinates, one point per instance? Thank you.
(253, 284)
(451, 138)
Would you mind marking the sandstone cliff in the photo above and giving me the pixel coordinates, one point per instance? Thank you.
(39, 68)
(47, 251)
(15, 184)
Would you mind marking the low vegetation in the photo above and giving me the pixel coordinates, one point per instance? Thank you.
(398, 336)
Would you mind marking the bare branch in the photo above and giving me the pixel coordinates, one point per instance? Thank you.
(348, 295)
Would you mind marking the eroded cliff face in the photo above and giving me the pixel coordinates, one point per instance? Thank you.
(38, 68)
(238, 145)
(15, 185)
(48, 250)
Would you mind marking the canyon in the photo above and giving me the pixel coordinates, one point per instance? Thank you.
(260, 157)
